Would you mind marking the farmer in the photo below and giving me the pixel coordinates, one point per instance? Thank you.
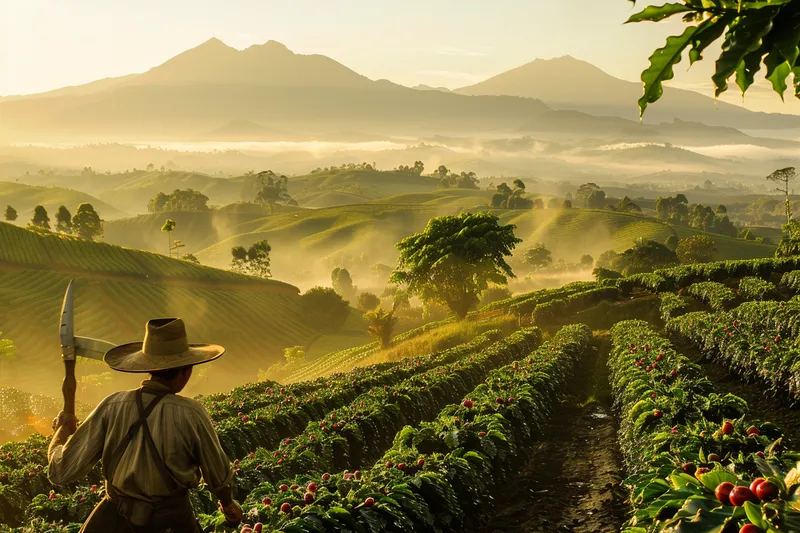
(154, 444)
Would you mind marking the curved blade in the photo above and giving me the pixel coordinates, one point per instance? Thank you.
(67, 329)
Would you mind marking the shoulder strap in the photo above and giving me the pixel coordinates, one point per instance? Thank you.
(116, 457)
(169, 481)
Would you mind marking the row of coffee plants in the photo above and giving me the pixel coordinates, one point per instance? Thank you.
(672, 305)
(283, 415)
(713, 293)
(354, 436)
(790, 282)
(435, 477)
(696, 461)
(672, 279)
(286, 420)
(524, 303)
(757, 289)
(755, 340)
(556, 311)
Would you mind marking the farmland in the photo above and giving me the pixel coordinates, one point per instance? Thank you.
(427, 441)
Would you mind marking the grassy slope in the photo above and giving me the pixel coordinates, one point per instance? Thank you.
(326, 189)
(25, 197)
(119, 289)
(374, 229)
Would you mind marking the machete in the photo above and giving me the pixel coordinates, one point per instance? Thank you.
(72, 346)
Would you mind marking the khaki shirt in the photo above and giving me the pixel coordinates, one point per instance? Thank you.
(181, 430)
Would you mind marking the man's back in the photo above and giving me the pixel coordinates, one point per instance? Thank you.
(182, 434)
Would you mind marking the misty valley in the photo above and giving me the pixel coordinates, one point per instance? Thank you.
(294, 298)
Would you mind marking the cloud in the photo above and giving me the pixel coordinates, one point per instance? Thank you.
(455, 51)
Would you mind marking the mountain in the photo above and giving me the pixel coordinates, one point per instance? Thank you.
(423, 87)
(213, 84)
(569, 83)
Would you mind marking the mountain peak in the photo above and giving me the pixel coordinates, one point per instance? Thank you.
(272, 47)
(212, 44)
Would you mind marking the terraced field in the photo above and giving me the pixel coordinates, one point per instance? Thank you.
(119, 289)
(620, 430)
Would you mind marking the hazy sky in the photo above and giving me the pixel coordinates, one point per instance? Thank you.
(45, 44)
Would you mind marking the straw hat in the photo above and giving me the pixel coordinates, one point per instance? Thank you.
(165, 347)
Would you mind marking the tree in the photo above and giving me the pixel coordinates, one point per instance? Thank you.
(751, 30)
(323, 309)
(537, 256)
(696, 249)
(40, 218)
(455, 258)
(368, 301)
(86, 223)
(272, 190)
(645, 256)
(168, 228)
(606, 259)
(63, 220)
(538, 203)
(381, 324)
(419, 168)
(596, 200)
(190, 258)
(588, 195)
(11, 214)
(586, 261)
(178, 200)
(253, 261)
(626, 205)
(342, 283)
(555, 203)
(721, 210)
(442, 172)
(783, 176)
(519, 184)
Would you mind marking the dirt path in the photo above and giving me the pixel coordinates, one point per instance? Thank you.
(570, 482)
(761, 405)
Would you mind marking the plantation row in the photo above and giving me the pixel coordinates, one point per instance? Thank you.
(239, 435)
(439, 475)
(756, 340)
(696, 461)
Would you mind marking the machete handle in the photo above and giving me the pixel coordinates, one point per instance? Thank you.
(68, 386)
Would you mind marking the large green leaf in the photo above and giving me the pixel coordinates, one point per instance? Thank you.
(656, 13)
(777, 71)
(743, 37)
(660, 69)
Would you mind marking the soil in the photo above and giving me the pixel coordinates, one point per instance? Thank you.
(571, 480)
(761, 406)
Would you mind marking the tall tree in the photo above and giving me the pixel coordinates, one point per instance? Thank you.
(253, 261)
(626, 205)
(752, 31)
(537, 256)
(342, 283)
(86, 223)
(380, 324)
(272, 190)
(40, 218)
(168, 228)
(782, 177)
(11, 214)
(454, 259)
(63, 220)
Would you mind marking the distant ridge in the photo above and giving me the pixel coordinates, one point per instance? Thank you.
(214, 84)
(569, 83)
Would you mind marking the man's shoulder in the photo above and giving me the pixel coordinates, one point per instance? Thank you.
(185, 403)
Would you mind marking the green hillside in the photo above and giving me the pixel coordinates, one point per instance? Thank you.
(119, 289)
(305, 241)
(24, 198)
(340, 187)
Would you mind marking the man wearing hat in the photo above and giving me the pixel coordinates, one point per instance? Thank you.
(153, 443)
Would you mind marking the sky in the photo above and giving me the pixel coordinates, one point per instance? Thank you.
(47, 44)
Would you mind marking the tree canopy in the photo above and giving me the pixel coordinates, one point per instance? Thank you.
(753, 32)
(324, 309)
(253, 261)
(40, 218)
(696, 249)
(11, 214)
(178, 200)
(453, 260)
(272, 189)
(86, 223)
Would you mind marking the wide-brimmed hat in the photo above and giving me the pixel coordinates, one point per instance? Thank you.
(165, 346)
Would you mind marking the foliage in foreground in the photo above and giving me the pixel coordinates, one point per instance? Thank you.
(682, 442)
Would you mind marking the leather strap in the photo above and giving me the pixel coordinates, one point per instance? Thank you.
(169, 481)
